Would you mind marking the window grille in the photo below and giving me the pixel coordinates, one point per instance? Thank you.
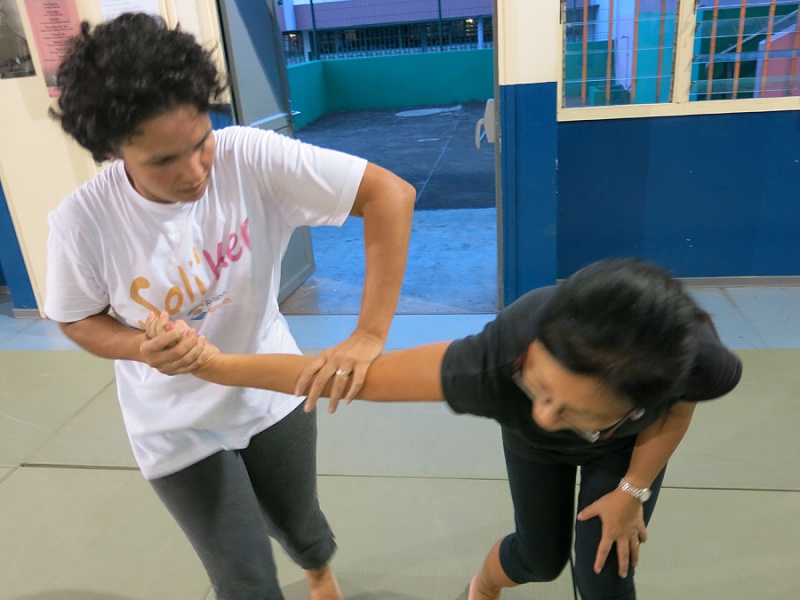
(746, 49)
(618, 51)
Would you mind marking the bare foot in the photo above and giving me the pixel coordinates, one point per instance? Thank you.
(322, 584)
(477, 593)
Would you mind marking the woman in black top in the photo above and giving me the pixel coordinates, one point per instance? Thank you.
(601, 372)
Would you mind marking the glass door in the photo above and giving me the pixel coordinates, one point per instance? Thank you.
(260, 92)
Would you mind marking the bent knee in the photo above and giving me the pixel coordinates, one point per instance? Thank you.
(526, 563)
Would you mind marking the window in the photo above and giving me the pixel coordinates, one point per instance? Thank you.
(746, 49)
(618, 51)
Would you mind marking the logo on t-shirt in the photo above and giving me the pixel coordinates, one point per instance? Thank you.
(224, 255)
(199, 312)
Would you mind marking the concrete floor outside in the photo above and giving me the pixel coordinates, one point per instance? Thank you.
(452, 265)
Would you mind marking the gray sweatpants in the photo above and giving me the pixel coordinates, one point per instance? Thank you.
(230, 503)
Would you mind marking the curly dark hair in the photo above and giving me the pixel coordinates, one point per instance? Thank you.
(125, 72)
(628, 322)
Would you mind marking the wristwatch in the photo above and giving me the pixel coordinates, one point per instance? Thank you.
(641, 494)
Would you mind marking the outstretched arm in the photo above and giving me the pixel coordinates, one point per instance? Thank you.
(410, 375)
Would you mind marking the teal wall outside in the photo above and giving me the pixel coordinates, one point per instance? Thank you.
(397, 81)
(307, 89)
(596, 64)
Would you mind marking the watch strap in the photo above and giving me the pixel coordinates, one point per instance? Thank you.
(641, 494)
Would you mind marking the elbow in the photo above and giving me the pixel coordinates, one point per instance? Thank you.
(400, 200)
(408, 195)
(75, 333)
(67, 329)
(405, 202)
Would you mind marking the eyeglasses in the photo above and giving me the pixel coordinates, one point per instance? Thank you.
(593, 436)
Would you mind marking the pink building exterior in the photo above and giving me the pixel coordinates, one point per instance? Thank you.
(360, 13)
(783, 73)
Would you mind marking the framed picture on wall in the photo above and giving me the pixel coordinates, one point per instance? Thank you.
(15, 54)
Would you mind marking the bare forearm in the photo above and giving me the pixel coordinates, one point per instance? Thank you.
(104, 336)
(276, 372)
(387, 228)
(383, 279)
(411, 375)
(655, 445)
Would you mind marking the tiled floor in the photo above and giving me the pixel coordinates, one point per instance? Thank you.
(415, 495)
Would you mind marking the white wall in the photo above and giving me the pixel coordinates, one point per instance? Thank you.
(528, 41)
(39, 164)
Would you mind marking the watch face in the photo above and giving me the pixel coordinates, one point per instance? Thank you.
(645, 495)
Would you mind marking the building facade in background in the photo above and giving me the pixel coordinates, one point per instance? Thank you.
(324, 29)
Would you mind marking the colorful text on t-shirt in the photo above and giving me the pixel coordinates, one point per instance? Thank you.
(226, 253)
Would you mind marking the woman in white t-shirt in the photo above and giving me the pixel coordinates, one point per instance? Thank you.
(194, 222)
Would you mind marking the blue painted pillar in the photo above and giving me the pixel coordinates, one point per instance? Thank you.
(528, 161)
(15, 272)
(528, 68)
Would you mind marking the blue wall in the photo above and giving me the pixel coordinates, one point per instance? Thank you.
(13, 265)
(705, 196)
(528, 164)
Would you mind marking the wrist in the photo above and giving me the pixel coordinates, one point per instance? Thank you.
(207, 361)
(377, 336)
(640, 493)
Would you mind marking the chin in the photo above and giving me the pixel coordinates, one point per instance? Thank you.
(549, 428)
(189, 197)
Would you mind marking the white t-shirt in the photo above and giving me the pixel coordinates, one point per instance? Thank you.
(214, 263)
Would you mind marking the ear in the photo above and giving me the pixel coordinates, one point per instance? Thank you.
(116, 151)
(521, 361)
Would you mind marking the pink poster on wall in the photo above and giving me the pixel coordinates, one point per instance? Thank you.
(53, 23)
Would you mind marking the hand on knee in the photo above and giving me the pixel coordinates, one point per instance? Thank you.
(322, 584)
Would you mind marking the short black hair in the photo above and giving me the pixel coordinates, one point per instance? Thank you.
(126, 71)
(629, 323)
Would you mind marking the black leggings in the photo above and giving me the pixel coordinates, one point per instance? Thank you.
(543, 493)
(229, 504)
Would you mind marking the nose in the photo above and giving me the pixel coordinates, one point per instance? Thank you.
(546, 416)
(195, 169)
